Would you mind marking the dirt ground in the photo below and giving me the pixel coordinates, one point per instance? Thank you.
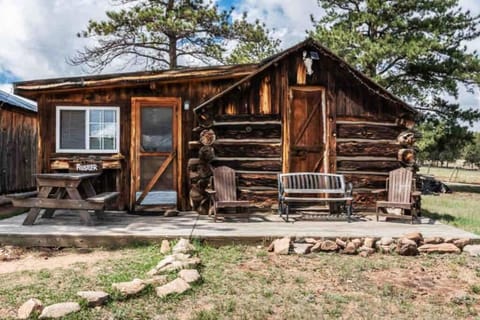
(14, 259)
(250, 283)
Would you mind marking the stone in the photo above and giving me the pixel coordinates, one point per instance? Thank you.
(328, 245)
(369, 250)
(472, 250)
(357, 243)
(449, 240)
(165, 247)
(460, 243)
(171, 213)
(94, 298)
(317, 246)
(302, 248)
(271, 246)
(189, 275)
(129, 288)
(385, 241)
(365, 254)
(342, 244)
(282, 246)
(310, 240)
(407, 247)
(177, 286)
(415, 236)
(175, 262)
(369, 242)
(59, 310)
(439, 248)
(387, 249)
(30, 307)
(351, 248)
(183, 246)
(433, 240)
(156, 280)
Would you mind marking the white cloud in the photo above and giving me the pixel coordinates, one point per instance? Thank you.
(289, 19)
(38, 35)
(7, 87)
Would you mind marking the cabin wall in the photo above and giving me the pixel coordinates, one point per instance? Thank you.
(363, 130)
(116, 167)
(18, 149)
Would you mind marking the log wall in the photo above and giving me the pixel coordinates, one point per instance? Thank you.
(18, 150)
(363, 127)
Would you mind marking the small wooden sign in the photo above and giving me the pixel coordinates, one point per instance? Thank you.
(85, 166)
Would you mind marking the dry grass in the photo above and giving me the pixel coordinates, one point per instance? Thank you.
(248, 283)
(448, 175)
(460, 209)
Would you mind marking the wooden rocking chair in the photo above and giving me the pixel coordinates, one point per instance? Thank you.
(225, 194)
(401, 195)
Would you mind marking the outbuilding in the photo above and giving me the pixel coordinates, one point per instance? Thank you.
(157, 135)
(18, 144)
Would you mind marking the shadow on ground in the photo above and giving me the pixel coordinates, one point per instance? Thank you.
(438, 216)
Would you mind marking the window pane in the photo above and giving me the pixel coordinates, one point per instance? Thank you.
(109, 130)
(156, 127)
(95, 143)
(96, 116)
(96, 130)
(72, 129)
(109, 116)
(108, 143)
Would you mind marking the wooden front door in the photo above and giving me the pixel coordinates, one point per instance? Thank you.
(156, 128)
(306, 140)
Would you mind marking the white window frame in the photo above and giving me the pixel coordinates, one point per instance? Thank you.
(87, 129)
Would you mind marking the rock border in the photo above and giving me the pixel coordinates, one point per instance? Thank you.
(181, 260)
(410, 244)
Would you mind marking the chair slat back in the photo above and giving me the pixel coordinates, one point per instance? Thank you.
(400, 185)
(225, 184)
(311, 182)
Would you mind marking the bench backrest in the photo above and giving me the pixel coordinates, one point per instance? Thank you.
(310, 182)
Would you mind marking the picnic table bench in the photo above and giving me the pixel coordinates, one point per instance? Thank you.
(73, 191)
(313, 187)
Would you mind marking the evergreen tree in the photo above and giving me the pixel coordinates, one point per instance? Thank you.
(157, 34)
(414, 48)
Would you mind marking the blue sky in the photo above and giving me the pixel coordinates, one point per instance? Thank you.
(44, 33)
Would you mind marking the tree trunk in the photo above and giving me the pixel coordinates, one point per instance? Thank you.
(172, 40)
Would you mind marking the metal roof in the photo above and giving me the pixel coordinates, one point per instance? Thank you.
(16, 101)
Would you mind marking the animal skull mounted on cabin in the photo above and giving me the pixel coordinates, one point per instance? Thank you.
(307, 60)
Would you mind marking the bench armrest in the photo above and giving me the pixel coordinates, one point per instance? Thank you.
(379, 191)
(416, 193)
(210, 191)
(349, 189)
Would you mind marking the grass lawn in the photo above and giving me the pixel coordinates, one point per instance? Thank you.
(445, 174)
(248, 283)
(460, 208)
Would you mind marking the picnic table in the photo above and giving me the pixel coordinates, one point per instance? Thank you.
(73, 191)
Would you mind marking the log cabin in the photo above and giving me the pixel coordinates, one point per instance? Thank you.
(18, 144)
(157, 135)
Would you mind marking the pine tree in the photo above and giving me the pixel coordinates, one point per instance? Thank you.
(159, 34)
(414, 48)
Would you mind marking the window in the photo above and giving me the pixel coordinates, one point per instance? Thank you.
(88, 129)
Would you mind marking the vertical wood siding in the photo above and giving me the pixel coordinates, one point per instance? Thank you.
(18, 150)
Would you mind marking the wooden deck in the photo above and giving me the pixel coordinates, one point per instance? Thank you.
(120, 229)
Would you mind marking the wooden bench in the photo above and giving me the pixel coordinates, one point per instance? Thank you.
(22, 195)
(312, 187)
(104, 197)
